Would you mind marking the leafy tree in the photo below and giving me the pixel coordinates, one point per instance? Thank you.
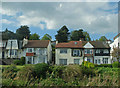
(87, 36)
(23, 32)
(34, 37)
(102, 38)
(46, 37)
(62, 35)
(7, 34)
(76, 35)
(116, 53)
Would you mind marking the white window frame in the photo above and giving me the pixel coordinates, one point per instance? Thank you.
(75, 52)
(77, 60)
(105, 60)
(63, 63)
(90, 50)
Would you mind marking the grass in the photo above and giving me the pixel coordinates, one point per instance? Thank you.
(70, 75)
(18, 66)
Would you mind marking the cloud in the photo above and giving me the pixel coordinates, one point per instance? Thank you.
(5, 21)
(94, 17)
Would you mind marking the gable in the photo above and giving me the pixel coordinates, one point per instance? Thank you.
(12, 44)
(88, 45)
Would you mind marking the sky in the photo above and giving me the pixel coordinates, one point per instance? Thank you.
(97, 18)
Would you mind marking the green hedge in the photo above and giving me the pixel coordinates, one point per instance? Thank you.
(20, 62)
(103, 65)
(115, 64)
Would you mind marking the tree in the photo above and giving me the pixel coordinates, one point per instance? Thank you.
(34, 37)
(76, 35)
(46, 37)
(102, 38)
(23, 32)
(7, 34)
(87, 36)
(62, 35)
(116, 53)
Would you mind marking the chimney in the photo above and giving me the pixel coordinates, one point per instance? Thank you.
(56, 41)
(25, 41)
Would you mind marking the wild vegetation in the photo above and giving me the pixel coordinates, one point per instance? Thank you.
(42, 74)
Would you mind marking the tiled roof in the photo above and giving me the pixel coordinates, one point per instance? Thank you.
(81, 44)
(116, 36)
(71, 44)
(37, 44)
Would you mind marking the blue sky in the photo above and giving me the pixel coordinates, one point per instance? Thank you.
(97, 18)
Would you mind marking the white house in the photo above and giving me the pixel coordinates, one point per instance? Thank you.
(75, 52)
(37, 51)
(115, 44)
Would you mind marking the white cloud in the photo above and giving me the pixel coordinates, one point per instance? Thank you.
(5, 21)
(91, 16)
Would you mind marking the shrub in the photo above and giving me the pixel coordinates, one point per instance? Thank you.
(26, 73)
(10, 72)
(88, 71)
(72, 73)
(88, 64)
(103, 65)
(115, 64)
(56, 71)
(20, 62)
(41, 69)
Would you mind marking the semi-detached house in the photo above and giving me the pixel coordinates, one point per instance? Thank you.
(37, 51)
(75, 52)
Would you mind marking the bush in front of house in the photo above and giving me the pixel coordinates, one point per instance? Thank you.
(26, 73)
(20, 62)
(56, 71)
(87, 64)
(115, 64)
(72, 73)
(41, 69)
(10, 72)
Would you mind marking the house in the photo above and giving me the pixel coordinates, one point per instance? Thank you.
(115, 44)
(75, 52)
(37, 51)
(3, 44)
(9, 48)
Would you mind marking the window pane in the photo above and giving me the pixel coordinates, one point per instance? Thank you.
(76, 61)
(63, 61)
(63, 50)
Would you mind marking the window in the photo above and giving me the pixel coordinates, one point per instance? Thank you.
(29, 49)
(106, 51)
(88, 51)
(88, 59)
(63, 61)
(105, 60)
(76, 52)
(76, 61)
(63, 50)
(101, 51)
(97, 51)
(11, 52)
(96, 61)
(29, 60)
